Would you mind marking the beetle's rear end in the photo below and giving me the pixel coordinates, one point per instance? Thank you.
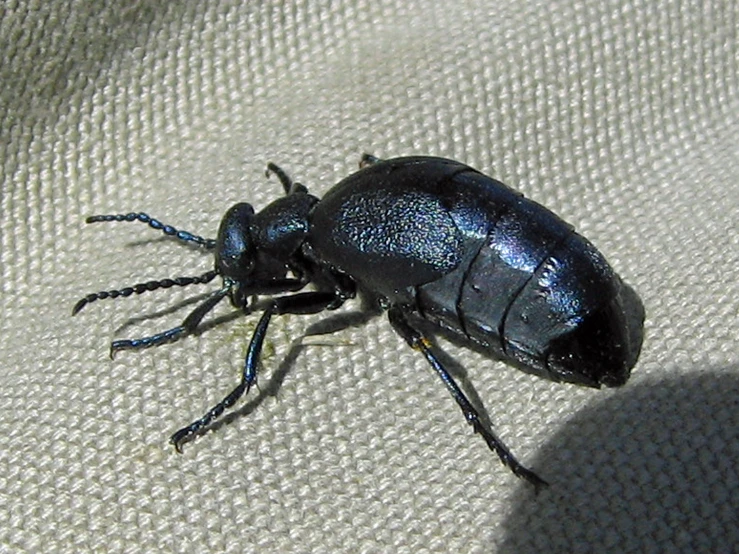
(574, 318)
(536, 291)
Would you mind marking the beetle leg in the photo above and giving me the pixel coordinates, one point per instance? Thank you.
(368, 160)
(188, 326)
(419, 342)
(240, 297)
(184, 236)
(276, 286)
(287, 183)
(302, 303)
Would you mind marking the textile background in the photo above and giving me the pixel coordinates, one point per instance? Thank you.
(620, 115)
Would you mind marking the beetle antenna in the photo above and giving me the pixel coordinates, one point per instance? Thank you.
(145, 287)
(184, 236)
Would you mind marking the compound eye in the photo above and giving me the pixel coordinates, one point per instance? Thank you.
(235, 252)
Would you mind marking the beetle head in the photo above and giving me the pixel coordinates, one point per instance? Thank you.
(235, 249)
(599, 351)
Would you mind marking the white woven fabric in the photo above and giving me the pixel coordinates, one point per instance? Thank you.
(622, 116)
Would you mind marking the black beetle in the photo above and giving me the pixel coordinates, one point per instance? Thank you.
(433, 240)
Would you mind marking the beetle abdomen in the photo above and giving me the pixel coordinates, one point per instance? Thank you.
(533, 290)
(521, 235)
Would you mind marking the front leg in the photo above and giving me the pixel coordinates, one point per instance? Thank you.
(187, 327)
(302, 303)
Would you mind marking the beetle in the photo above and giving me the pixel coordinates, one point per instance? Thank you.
(432, 240)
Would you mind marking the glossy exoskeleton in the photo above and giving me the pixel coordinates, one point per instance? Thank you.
(433, 240)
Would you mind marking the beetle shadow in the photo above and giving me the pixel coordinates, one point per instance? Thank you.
(334, 323)
(652, 468)
(179, 306)
(369, 309)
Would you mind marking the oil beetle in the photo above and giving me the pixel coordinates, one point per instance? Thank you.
(433, 240)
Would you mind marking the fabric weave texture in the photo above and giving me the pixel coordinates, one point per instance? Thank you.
(621, 116)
